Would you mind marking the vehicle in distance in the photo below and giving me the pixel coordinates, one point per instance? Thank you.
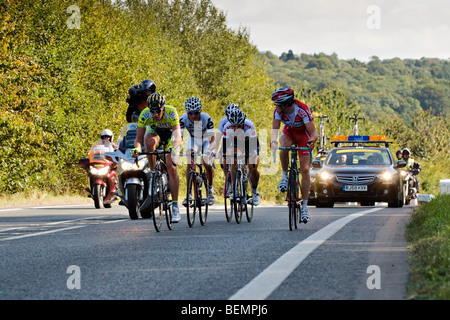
(359, 169)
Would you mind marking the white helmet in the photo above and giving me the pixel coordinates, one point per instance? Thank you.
(107, 133)
(236, 117)
(193, 104)
(229, 108)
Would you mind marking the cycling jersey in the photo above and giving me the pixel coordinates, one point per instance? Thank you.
(205, 124)
(246, 136)
(298, 118)
(294, 124)
(163, 127)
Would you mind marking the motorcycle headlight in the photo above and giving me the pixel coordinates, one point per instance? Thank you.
(99, 171)
(128, 166)
(404, 173)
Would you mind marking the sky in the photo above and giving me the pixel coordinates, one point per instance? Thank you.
(352, 29)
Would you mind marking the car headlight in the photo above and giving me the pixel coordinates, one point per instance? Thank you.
(100, 171)
(387, 176)
(326, 175)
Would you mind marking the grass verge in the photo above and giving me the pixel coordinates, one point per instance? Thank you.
(40, 198)
(428, 237)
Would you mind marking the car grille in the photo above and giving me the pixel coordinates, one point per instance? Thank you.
(355, 179)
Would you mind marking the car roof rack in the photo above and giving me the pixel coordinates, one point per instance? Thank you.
(360, 139)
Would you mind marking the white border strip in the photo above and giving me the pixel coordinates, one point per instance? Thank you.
(40, 233)
(267, 281)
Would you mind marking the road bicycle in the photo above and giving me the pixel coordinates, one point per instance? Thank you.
(322, 133)
(161, 204)
(227, 191)
(242, 194)
(355, 126)
(197, 190)
(293, 195)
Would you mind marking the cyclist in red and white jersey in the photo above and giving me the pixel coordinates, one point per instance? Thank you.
(298, 127)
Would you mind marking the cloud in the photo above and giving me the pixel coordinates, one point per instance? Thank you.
(407, 29)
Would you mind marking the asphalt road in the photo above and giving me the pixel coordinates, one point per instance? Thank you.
(80, 253)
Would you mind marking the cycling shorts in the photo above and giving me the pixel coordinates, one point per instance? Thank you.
(299, 135)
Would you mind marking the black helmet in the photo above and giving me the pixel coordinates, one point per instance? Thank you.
(156, 102)
(147, 86)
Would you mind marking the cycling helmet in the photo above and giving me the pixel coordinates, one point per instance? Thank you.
(406, 151)
(107, 134)
(147, 87)
(283, 96)
(156, 102)
(229, 108)
(193, 104)
(236, 117)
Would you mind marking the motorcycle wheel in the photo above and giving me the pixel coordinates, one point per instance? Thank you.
(97, 194)
(133, 201)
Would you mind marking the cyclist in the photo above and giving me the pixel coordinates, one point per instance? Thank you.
(239, 129)
(214, 147)
(159, 125)
(298, 127)
(201, 130)
(137, 98)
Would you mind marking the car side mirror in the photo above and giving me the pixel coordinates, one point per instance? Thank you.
(400, 164)
(317, 164)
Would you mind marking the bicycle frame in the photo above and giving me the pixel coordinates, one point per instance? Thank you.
(293, 195)
(241, 199)
(159, 190)
(194, 184)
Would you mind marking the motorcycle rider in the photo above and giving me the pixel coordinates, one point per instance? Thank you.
(159, 124)
(412, 166)
(107, 137)
(399, 154)
(137, 98)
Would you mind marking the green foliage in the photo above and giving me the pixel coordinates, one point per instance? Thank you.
(379, 86)
(60, 87)
(429, 236)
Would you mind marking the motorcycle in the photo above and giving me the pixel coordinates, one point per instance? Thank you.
(133, 174)
(102, 175)
(410, 185)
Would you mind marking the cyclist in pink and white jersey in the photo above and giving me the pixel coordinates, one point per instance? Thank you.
(298, 127)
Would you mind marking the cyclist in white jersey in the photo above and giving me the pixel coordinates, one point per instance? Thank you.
(239, 133)
(201, 134)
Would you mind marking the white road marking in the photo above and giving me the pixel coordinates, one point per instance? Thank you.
(40, 233)
(267, 281)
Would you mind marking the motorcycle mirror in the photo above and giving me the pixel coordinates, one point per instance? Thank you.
(400, 164)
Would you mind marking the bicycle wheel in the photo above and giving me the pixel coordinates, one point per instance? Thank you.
(249, 200)
(227, 190)
(168, 210)
(203, 199)
(292, 200)
(191, 196)
(157, 201)
(238, 196)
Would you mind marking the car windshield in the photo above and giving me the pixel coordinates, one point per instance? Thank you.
(358, 157)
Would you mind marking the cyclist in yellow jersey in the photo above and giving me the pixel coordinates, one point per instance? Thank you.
(159, 124)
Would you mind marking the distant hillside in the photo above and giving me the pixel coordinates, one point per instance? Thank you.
(380, 86)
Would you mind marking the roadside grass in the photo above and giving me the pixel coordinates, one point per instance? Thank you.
(40, 198)
(428, 234)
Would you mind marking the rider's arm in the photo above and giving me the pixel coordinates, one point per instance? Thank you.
(176, 136)
(274, 135)
(311, 128)
(139, 136)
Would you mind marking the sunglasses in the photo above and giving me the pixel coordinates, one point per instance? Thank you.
(193, 113)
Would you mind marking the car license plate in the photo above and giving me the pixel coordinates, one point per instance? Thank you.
(355, 188)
